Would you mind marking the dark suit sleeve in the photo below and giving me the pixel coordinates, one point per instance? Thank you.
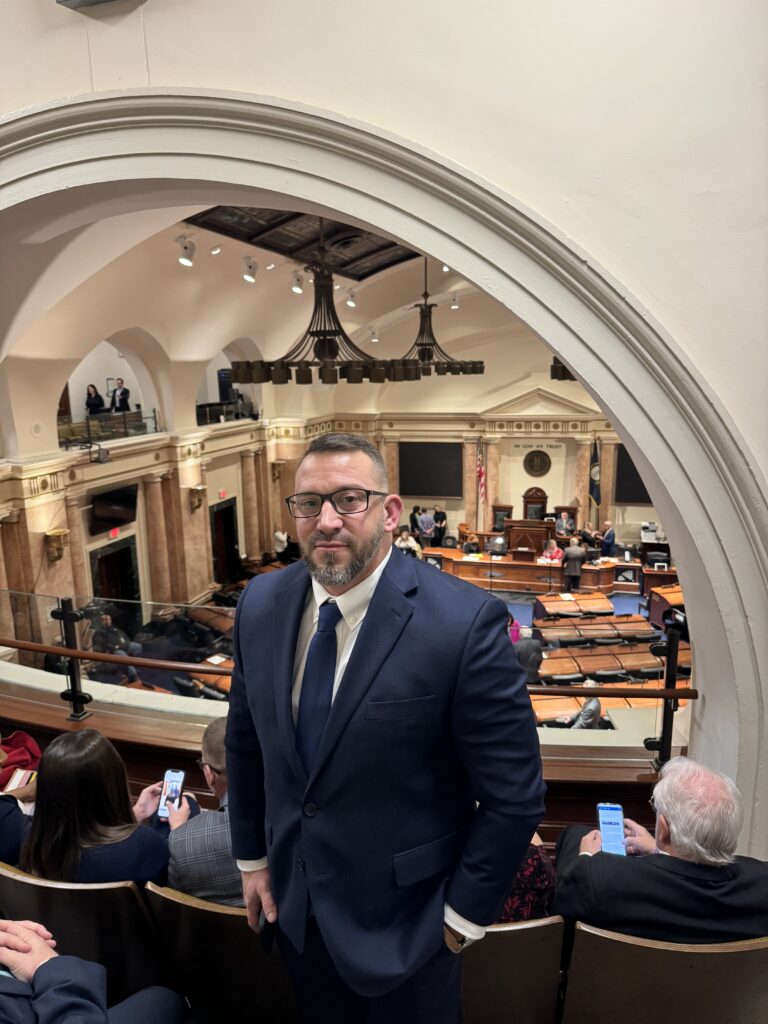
(67, 990)
(494, 730)
(245, 766)
(575, 893)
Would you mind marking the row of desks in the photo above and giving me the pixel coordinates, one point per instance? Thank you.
(631, 658)
(617, 626)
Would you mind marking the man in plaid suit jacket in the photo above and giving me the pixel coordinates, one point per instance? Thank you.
(201, 848)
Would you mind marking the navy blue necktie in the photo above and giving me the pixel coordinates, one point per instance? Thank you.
(317, 686)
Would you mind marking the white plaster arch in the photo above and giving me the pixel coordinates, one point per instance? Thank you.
(701, 474)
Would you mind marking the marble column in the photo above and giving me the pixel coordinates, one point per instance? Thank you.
(77, 548)
(6, 612)
(607, 480)
(159, 566)
(491, 481)
(390, 453)
(207, 530)
(470, 484)
(263, 498)
(18, 584)
(250, 505)
(583, 455)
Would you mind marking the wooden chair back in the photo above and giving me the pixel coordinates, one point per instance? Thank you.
(107, 923)
(618, 977)
(223, 969)
(513, 974)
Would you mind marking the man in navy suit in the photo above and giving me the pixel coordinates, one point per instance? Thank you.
(383, 850)
(37, 986)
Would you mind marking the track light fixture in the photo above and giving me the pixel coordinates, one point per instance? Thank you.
(187, 257)
(455, 302)
(446, 268)
(215, 250)
(374, 336)
(297, 284)
(251, 269)
(351, 301)
(270, 266)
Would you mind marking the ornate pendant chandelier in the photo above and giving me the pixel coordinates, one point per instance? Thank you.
(427, 351)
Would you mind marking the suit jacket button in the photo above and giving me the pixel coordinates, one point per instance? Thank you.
(309, 810)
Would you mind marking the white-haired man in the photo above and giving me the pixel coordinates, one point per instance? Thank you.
(683, 885)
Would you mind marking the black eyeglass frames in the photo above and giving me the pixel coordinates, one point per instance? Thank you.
(346, 501)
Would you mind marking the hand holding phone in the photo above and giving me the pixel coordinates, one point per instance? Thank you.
(610, 818)
(171, 794)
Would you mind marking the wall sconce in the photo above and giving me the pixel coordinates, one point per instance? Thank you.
(54, 544)
(277, 470)
(197, 496)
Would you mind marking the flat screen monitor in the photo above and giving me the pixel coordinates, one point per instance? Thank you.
(431, 469)
(110, 509)
(630, 489)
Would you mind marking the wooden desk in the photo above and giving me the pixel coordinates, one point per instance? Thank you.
(216, 682)
(661, 600)
(583, 604)
(554, 707)
(658, 578)
(221, 619)
(528, 533)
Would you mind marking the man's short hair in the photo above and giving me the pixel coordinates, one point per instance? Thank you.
(703, 810)
(330, 443)
(212, 748)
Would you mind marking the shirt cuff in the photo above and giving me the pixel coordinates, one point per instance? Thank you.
(460, 924)
(253, 865)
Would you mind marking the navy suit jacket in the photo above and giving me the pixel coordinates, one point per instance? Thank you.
(608, 544)
(431, 716)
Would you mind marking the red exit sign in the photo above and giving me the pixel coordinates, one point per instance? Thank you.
(222, 494)
(114, 533)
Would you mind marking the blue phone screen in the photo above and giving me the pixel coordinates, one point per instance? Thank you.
(611, 820)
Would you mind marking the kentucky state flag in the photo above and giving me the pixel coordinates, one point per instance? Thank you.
(594, 476)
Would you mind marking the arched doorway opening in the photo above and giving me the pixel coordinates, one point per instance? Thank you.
(199, 150)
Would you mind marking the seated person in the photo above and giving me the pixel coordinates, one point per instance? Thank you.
(697, 891)
(17, 750)
(109, 638)
(406, 543)
(529, 654)
(552, 553)
(564, 526)
(84, 828)
(531, 892)
(201, 848)
(40, 985)
(472, 546)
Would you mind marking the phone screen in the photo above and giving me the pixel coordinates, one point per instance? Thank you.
(610, 818)
(171, 794)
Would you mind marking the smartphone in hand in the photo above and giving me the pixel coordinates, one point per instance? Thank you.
(173, 782)
(610, 819)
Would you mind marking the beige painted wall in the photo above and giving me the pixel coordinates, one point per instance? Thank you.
(606, 119)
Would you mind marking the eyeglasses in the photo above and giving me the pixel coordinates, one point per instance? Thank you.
(204, 764)
(346, 502)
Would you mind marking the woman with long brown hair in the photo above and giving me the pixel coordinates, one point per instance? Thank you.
(84, 828)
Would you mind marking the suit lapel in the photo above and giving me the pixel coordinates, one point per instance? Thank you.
(387, 615)
(287, 611)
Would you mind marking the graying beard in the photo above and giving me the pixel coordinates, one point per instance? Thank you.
(329, 575)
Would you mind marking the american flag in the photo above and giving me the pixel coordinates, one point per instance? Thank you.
(480, 476)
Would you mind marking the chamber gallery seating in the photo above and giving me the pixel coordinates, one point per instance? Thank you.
(618, 977)
(108, 924)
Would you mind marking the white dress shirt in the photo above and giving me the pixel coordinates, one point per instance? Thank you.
(353, 606)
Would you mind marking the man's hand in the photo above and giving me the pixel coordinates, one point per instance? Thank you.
(638, 840)
(258, 895)
(148, 802)
(592, 842)
(25, 946)
(178, 815)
